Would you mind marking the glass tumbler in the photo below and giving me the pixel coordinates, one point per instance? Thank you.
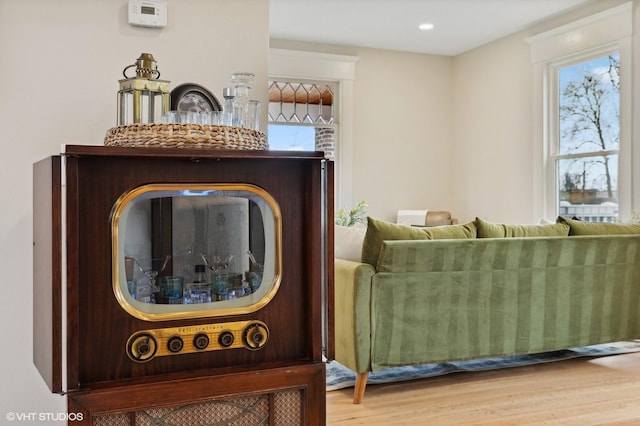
(253, 115)
(171, 289)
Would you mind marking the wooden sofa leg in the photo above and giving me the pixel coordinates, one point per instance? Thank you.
(361, 384)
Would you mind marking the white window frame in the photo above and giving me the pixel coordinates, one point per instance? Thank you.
(311, 66)
(580, 40)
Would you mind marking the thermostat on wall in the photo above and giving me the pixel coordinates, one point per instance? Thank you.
(148, 13)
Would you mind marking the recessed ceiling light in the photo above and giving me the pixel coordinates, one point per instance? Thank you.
(426, 26)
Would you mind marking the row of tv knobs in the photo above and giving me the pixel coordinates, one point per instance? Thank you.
(144, 346)
(201, 341)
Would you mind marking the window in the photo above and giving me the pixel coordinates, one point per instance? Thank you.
(338, 71)
(586, 142)
(582, 164)
(301, 116)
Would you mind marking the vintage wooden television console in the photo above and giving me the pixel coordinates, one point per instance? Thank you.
(123, 324)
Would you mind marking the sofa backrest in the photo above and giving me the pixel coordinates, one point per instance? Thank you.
(505, 253)
(435, 300)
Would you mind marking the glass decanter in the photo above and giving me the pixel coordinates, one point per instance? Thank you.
(242, 83)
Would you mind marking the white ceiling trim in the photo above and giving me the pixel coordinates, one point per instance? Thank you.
(602, 28)
(304, 65)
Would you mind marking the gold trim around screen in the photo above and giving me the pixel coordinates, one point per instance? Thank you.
(164, 312)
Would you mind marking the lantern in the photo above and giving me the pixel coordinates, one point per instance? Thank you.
(143, 98)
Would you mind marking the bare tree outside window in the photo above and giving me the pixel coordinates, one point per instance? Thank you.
(589, 136)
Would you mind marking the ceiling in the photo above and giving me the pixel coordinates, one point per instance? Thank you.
(460, 25)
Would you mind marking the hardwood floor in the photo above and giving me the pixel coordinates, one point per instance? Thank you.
(583, 391)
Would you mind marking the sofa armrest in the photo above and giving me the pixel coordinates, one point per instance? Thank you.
(352, 306)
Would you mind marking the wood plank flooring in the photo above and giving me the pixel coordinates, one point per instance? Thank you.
(583, 391)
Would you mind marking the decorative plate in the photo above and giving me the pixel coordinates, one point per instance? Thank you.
(193, 97)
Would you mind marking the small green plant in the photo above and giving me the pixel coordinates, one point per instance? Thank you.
(356, 215)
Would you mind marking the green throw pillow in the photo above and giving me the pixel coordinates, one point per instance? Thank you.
(379, 231)
(578, 227)
(496, 230)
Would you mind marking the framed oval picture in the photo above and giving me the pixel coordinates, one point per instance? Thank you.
(193, 97)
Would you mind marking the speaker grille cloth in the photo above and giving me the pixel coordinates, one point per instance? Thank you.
(249, 410)
(112, 420)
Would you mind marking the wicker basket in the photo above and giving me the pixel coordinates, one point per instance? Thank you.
(185, 136)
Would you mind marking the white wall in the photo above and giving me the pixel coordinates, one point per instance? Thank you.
(492, 167)
(60, 63)
(402, 132)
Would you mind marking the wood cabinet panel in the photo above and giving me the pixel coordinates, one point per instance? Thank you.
(75, 193)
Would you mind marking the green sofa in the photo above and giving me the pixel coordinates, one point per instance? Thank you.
(481, 295)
